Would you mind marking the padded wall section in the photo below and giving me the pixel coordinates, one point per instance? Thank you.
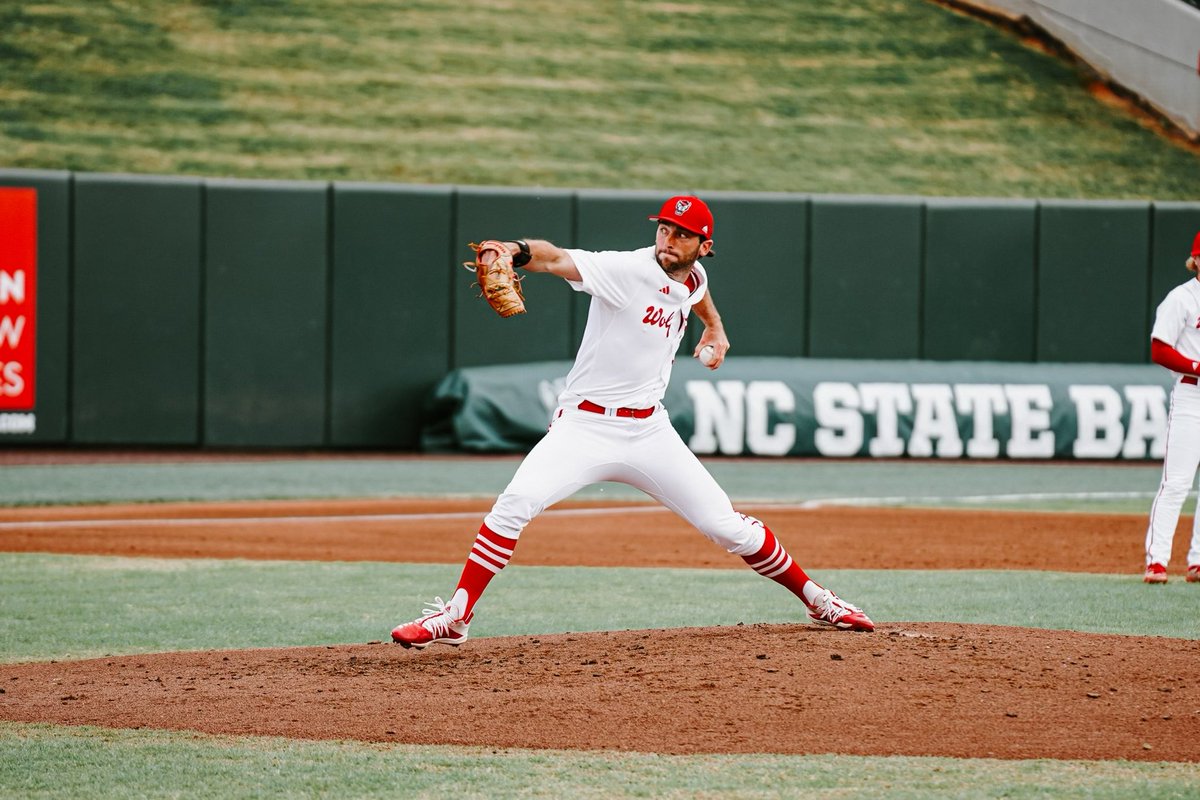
(280, 314)
(979, 279)
(391, 307)
(51, 390)
(136, 365)
(866, 277)
(1092, 282)
(759, 274)
(265, 313)
(543, 333)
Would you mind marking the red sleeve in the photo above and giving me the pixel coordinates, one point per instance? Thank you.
(1164, 355)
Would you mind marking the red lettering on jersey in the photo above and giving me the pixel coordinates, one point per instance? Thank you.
(656, 317)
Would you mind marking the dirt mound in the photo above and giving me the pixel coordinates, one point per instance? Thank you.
(907, 689)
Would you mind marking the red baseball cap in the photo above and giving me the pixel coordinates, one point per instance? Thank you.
(1196, 245)
(688, 212)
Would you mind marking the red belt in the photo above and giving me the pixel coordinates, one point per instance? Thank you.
(636, 413)
(1189, 379)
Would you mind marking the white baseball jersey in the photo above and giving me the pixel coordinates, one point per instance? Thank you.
(635, 323)
(634, 327)
(1177, 321)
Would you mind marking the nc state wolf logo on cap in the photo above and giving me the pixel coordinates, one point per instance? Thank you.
(688, 212)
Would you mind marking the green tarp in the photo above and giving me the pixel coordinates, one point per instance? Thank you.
(842, 408)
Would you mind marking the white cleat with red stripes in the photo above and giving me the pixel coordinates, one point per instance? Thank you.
(440, 625)
(831, 610)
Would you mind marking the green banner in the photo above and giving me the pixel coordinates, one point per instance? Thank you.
(843, 408)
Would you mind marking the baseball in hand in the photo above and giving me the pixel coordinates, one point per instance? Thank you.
(707, 355)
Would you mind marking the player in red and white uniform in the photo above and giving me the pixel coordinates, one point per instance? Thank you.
(1175, 344)
(610, 424)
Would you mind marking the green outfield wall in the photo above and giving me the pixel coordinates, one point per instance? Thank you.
(219, 313)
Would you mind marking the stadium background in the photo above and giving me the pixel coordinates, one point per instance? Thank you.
(246, 330)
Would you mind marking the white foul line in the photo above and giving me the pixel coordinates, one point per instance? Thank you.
(968, 498)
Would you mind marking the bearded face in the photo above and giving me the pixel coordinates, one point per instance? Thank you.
(676, 248)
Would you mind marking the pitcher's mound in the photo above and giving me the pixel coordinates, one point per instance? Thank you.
(907, 689)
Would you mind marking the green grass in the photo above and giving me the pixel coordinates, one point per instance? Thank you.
(111, 606)
(39, 761)
(870, 97)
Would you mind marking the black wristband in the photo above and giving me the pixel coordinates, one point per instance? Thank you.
(524, 257)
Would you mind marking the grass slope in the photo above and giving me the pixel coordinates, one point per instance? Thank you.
(872, 97)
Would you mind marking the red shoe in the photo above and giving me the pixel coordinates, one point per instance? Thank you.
(1157, 573)
(438, 626)
(831, 610)
(1193, 573)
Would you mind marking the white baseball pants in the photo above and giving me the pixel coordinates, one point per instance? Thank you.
(582, 448)
(1179, 472)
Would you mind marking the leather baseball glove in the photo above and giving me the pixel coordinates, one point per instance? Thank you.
(495, 276)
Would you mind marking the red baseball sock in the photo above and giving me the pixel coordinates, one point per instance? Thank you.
(488, 556)
(772, 561)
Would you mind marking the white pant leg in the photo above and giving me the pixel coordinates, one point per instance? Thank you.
(662, 466)
(1193, 557)
(1179, 471)
(574, 453)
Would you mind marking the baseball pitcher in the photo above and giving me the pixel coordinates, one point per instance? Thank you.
(610, 424)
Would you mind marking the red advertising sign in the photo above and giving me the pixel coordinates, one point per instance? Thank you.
(18, 297)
